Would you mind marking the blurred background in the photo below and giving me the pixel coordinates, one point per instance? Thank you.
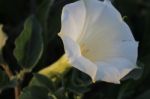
(14, 12)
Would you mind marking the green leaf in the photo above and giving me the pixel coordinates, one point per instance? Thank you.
(5, 82)
(43, 81)
(79, 82)
(43, 11)
(34, 92)
(40, 85)
(134, 74)
(29, 44)
(3, 79)
(145, 95)
(42, 14)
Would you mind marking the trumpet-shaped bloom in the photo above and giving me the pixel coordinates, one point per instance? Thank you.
(97, 41)
(3, 38)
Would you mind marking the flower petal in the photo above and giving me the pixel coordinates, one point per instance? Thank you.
(105, 33)
(86, 66)
(73, 17)
(110, 49)
(112, 70)
(100, 43)
(72, 50)
(3, 37)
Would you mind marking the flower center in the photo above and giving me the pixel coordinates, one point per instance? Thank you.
(85, 51)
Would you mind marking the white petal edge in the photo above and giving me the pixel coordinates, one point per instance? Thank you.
(106, 21)
(112, 70)
(73, 53)
(108, 29)
(3, 37)
(86, 66)
(72, 49)
(72, 20)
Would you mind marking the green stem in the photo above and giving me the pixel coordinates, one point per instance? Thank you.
(17, 88)
(59, 68)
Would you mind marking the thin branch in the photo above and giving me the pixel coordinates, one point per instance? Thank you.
(17, 91)
(10, 75)
(7, 70)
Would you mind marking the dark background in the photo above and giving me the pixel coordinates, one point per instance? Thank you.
(14, 12)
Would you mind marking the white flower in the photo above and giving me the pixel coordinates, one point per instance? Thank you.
(3, 38)
(97, 41)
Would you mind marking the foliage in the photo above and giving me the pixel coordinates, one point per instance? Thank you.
(29, 44)
(33, 44)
